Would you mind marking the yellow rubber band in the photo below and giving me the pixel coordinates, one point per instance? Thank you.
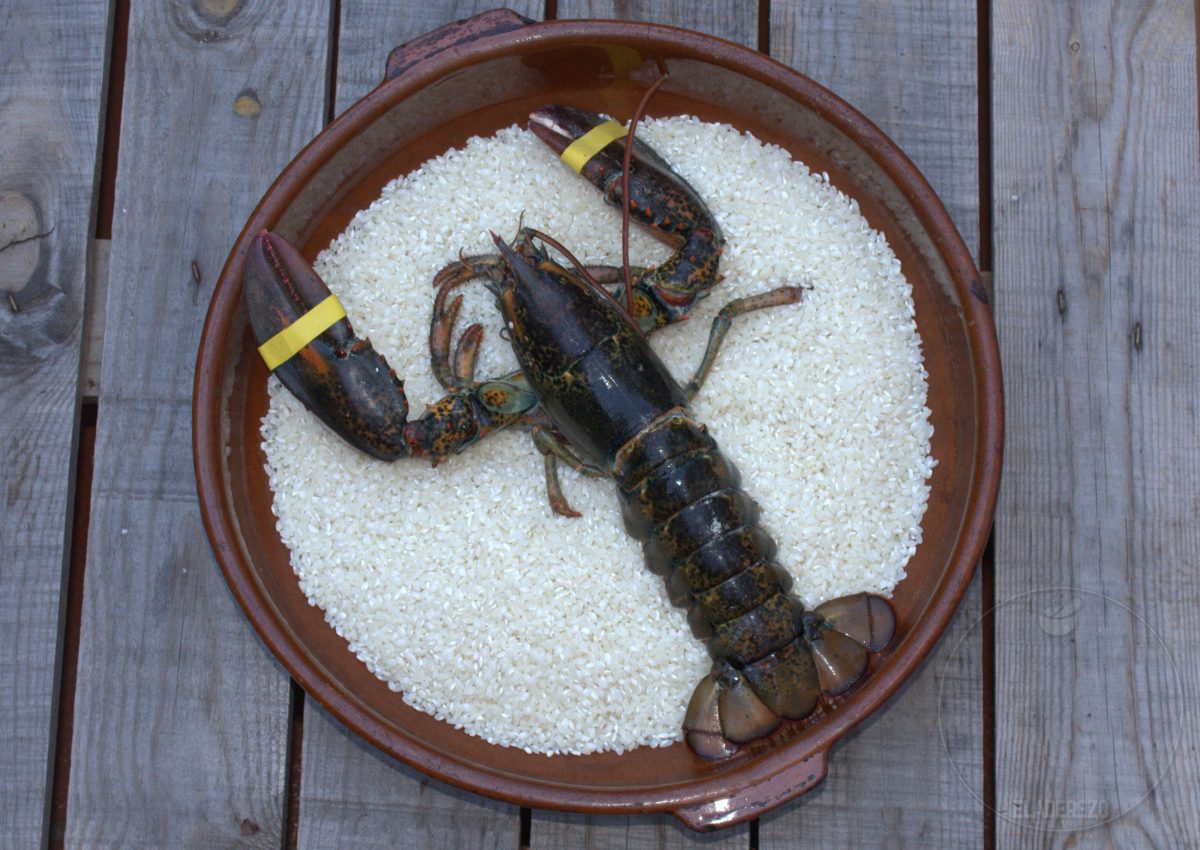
(282, 347)
(591, 143)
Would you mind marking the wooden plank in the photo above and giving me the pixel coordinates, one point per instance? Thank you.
(643, 832)
(735, 20)
(910, 67)
(913, 774)
(350, 794)
(1097, 192)
(371, 29)
(181, 718)
(52, 69)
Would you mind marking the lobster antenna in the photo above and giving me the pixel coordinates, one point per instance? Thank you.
(637, 116)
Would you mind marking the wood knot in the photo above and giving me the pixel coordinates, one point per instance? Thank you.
(217, 11)
(209, 21)
(19, 237)
(247, 104)
(1060, 301)
(1137, 337)
(249, 827)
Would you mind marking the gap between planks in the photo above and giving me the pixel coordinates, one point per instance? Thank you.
(93, 318)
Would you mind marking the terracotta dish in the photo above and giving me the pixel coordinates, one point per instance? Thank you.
(475, 77)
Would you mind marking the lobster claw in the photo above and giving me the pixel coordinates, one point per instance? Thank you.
(659, 199)
(339, 377)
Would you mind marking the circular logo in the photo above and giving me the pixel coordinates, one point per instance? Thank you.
(1071, 753)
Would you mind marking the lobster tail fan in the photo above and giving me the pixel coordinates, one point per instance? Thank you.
(842, 633)
(744, 716)
(702, 722)
(831, 654)
(840, 660)
(866, 618)
(725, 711)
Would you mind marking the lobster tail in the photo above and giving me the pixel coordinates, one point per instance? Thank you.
(773, 659)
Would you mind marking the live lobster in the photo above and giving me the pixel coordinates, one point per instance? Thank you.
(596, 396)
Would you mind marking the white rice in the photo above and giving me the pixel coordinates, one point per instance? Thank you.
(460, 588)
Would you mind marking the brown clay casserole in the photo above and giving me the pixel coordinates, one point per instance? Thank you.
(475, 78)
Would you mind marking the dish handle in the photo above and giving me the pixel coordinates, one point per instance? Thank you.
(451, 35)
(749, 803)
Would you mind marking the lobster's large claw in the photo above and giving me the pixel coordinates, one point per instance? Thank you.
(337, 376)
(659, 199)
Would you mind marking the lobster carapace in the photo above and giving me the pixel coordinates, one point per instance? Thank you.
(596, 396)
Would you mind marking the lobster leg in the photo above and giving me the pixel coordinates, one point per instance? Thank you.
(549, 442)
(349, 386)
(553, 450)
(648, 309)
(724, 320)
(452, 371)
(491, 267)
(459, 370)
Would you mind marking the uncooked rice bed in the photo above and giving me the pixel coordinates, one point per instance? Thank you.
(460, 588)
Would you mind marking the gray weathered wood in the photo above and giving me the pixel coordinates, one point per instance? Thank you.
(735, 20)
(351, 795)
(181, 714)
(370, 29)
(52, 67)
(354, 796)
(553, 830)
(1097, 195)
(911, 68)
(913, 775)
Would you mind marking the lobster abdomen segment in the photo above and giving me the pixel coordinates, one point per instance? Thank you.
(682, 498)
